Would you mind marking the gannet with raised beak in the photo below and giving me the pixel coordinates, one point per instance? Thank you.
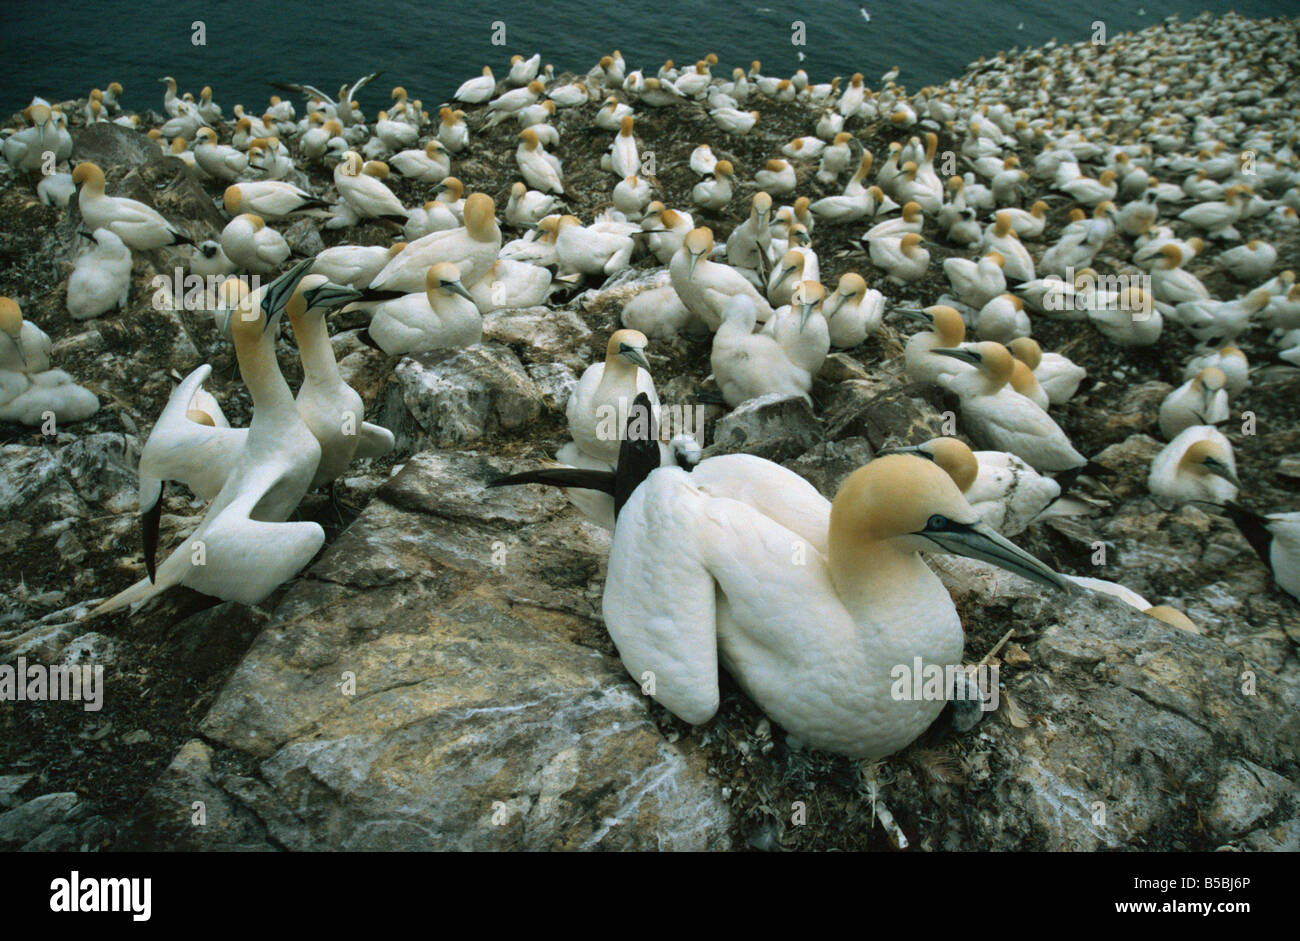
(472, 248)
(814, 645)
(1197, 465)
(141, 227)
(442, 316)
(242, 550)
(330, 407)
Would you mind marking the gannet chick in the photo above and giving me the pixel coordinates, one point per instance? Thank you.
(1003, 319)
(208, 259)
(354, 265)
(1057, 376)
(774, 626)
(715, 194)
(539, 168)
(599, 405)
(1201, 400)
(477, 90)
(999, 418)
(747, 364)
(1276, 540)
(903, 258)
(101, 280)
(57, 189)
(801, 328)
(706, 286)
(527, 207)
(1197, 465)
(252, 246)
(141, 227)
(270, 199)
(242, 550)
(591, 251)
(443, 316)
(330, 407)
(853, 311)
(472, 248)
(1006, 492)
(1130, 320)
(1230, 360)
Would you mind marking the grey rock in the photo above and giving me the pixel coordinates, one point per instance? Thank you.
(10, 785)
(556, 382)
(90, 648)
(1247, 793)
(304, 238)
(542, 335)
(827, 464)
(882, 411)
(771, 426)
(23, 823)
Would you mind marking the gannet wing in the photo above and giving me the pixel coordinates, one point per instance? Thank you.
(304, 90)
(779, 494)
(362, 82)
(376, 441)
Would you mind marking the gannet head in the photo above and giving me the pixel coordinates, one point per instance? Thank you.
(480, 217)
(992, 359)
(698, 244)
(11, 324)
(114, 88)
(627, 346)
(529, 137)
(1210, 380)
(909, 243)
(1027, 350)
(90, 174)
(762, 208)
(911, 210)
(685, 450)
(723, 168)
(1209, 456)
(808, 295)
(233, 296)
(206, 134)
(452, 186)
(445, 277)
(914, 504)
(625, 126)
(791, 262)
(317, 294)
(851, 285)
(997, 258)
(254, 220)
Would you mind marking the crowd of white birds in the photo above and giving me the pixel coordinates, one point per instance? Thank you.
(1152, 150)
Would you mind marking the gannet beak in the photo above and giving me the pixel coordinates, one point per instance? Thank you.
(457, 287)
(89, 235)
(329, 296)
(966, 356)
(911, 314)
(18, 345)
(690, 271)
(1220, 469)
(981, 541)
(276, 296)
(633, 355)
(785, 273)
(805, 311)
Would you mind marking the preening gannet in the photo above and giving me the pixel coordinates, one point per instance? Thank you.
(814, 645)
(101, 280)
(540, 169)
(1002, 419)
(747, 364)
(472, 249)
(330, 407)
(1197, 465)
(250, 244)
(354, 265)
(1201, 400)
(270, 199)
(141, 227)
(1058, 377)
(1276, 540)
(527, 207)
(242, 550)
(367, 197)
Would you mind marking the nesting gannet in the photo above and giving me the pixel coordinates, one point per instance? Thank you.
(218, 160)
(1057, 376)
(1129, 319)
(1002, 419)
(749, 242)
(1006, 492)
(141, 227)
(429, 164)
(1003, 319)
(366, 196)
(865, 605)
(610, 116)
(1201, 400)
(1229, 360)
(453, 132)
(733, 120)
(442, 316)
(660, 314)
(330, 407)
(250, 244)
(25, 150)
(665, 230)
(777, 177)
(270, 199)
(523, 71)
(475, 91)
(512, 284)
(540, 169)
(948, 330)
(526, 207)
(354, 265)
(242, 550)
(598, 406)
(29, 388)
(903, 258)
(801, 328)
(623, 160)
(853, 311)
(1276, 540)
(747, 364)
(976, 283)
(1197, 465)
(1171, 282)
(472, 248)
(706, 286)
(716, 193)
(909, 221)
(101, 280)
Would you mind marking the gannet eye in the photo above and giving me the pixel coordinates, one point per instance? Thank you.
(936, 522)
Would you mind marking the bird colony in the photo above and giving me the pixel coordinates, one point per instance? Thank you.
(1027, 252)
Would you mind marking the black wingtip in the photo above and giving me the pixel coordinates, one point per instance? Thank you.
(578, 477)
(149, 521)
(1254, 528)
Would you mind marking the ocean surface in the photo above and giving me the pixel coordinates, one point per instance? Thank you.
(63, 51)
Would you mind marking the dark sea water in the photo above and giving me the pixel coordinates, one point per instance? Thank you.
(62, 50)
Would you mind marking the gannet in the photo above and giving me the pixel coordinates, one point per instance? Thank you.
(947, 331)
(430, 164)
(526, 207)
(660, 314)
(747, 364)
(623, 160)
(330, 407)
(1221, 320)
(706, 286)
(999, 418)
(512, 284)
(442, 316)
(976, 283)
(1276, 540)
(539, 168)
(734, 121)
(242, 550)
(610, 117)
(909, 221)
(367, 197)
(570, 95)
(1229, 360)
(472, 249)
(354, 265)
(270, 199)
(1249, 262)
(836, 158)
(522, 71)
(250, 244)
(749, 242)
(511, 103)
(1057, 376)
(794, 267)
(598, 406)
(853, 311)
(25, 150)
(453, 132)
(1130, 319)
(665, 230)
(1197, 465)
(1003, 490)
(903, 258)
(631, 196)
(777, 178)
(1003, 319)
(715, 194)
(866, 605)
(588, 250)
(101, 280)
(1172, 283)
(345, 108)
(1001, 239)
(1201, 400)
(475, 91)
(141, 227)
(218, 160)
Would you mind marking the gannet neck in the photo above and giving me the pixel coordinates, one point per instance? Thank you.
(255, 350)
(318, 364)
